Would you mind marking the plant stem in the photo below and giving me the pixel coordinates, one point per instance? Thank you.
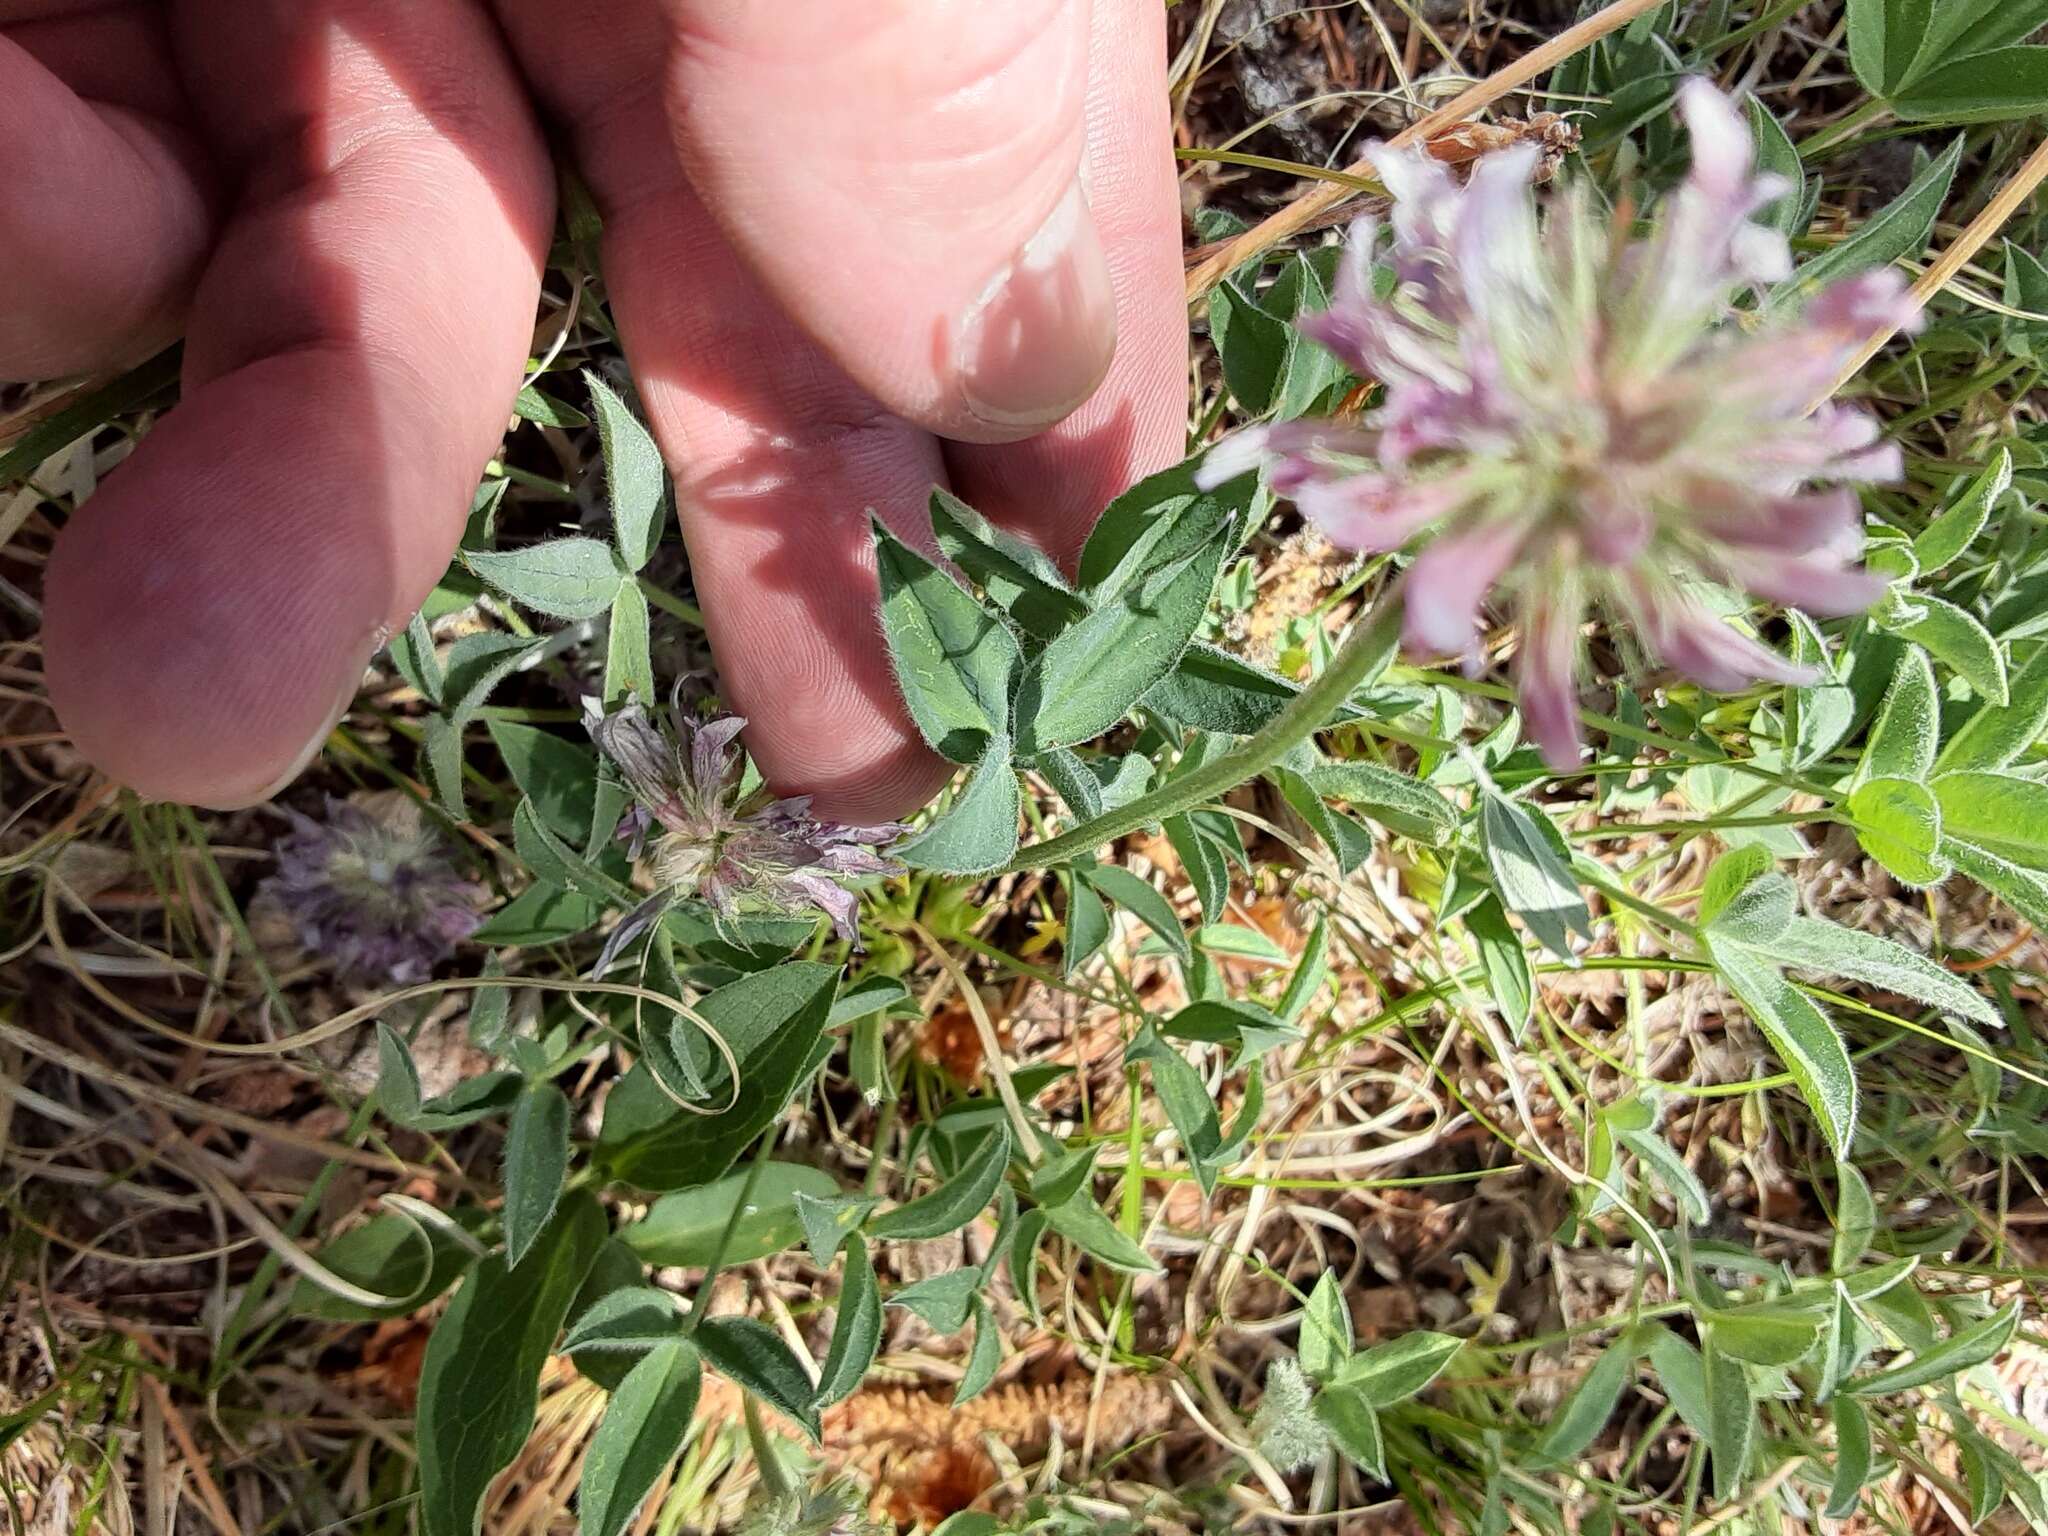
(701, 1303)
(1362, 657)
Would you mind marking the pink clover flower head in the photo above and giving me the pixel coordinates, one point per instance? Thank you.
(373, 889)
(1575, 421)
(705, 835)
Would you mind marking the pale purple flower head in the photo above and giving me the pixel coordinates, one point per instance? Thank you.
(1578, 421)
(373, 889)
(704, 837)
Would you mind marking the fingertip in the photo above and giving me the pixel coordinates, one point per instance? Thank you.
(1039, 341)
(203, 658)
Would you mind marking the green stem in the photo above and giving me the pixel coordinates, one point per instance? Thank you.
(1362, 657)
(774, 1476)
(1747, 30)
(1830, 137)
(670, 604)
(1683, 828)
(702, 1303)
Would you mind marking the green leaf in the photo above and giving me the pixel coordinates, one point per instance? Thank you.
(2021, 889)
(1955, 637)
(1682, 1375)
(412, 652)
(978, 832)
(1221, 1021)
(1775, 154)
(1957, 1353)
(574, 578)
(1901, 743)
(540, 914)
(628, 1321)
(480, 1379)
(1532, 878)
(1252, 345)
(1899, 229)
(750, 1354)
(1883, 38)
(1671, 1171)
(545, 410)
(1325, 1328)
(1310, 972)
(1829, 949)
(1998, 812)
(1157, 521)
(856, 1332)
(1019, 577)
(1994, 737)
(392, 1254)
(1855, 1217)
(1188, 1105)
(1349, 840)
(556, 774)
(628, 660)
(1395, 1371)
(1091, 674)
(957, 1201)
(1730, 875)
(1353, 1428)
(1211, 690)
(1899, 825)
(641, 1434)
(1074, 780)
(1990, 87)
(398, 1090)
(1087, 923)
(1758, 912)
(1764, 1333)
(1852, 1458)
(1580, 1417)
(633, 475)
(685, 1228)
(1731, 1418)
(1950, 533)
(955, 662)
(536, 1163)
(771, 1021)
(1800, 1033)
(984, 1358)
(555, 862)
(1207, 866)
(1510, 980)
(826, 1222)
(1142, 901)
(1081, 1222)
(1397, 802)
(942, 1300)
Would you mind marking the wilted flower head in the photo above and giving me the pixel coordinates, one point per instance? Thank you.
(1577, 420)
(704, 836)
(373, 889)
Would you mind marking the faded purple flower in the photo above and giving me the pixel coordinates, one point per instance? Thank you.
(704, 837)
(374, 889)
(1577, 422)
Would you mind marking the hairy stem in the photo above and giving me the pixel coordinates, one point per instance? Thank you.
(1363, 657)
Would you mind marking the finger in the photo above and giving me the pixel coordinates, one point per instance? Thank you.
(1052, 486)
(777, 454)
(354, 346)
(905, 177)
(106, 213)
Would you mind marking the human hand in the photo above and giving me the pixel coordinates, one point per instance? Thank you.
(848, 259)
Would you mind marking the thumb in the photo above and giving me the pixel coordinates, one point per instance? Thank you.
(906, 177)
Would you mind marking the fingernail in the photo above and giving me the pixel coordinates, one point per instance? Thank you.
(1039, 339)
(301, 760)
